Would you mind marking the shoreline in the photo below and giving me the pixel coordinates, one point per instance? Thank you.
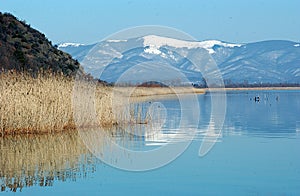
(161, 91)
(250, 89)
(145, 92)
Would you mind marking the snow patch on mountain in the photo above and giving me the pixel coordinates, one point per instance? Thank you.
(116, 40)
(152, 50)
(152, 43)
(64, 45)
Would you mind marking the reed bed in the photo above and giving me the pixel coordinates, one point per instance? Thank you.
(44, 103)
(34, 104)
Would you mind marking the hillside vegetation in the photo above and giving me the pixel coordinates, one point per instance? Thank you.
(23, 48)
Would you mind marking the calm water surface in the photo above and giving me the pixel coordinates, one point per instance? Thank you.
(257, 154)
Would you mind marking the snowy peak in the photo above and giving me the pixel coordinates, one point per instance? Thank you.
(153, 43)
(265, 62)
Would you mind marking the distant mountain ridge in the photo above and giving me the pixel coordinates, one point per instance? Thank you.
(261, 63)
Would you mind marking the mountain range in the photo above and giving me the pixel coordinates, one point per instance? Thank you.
(274, 62)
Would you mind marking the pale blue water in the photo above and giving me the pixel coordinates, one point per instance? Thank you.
(257, 154)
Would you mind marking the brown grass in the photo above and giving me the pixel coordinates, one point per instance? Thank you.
(44, 104)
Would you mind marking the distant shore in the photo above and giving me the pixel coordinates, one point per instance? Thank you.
(251, 88)
(145, 92)
(161, 91)
(157, 91)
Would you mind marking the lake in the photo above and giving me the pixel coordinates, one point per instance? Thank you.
(256, 153)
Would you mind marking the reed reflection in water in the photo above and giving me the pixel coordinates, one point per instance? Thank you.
(39, 160)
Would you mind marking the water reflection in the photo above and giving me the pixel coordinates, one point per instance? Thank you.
(39, 160)
(276, 113)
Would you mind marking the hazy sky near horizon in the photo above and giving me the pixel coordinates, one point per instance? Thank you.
(238, 21)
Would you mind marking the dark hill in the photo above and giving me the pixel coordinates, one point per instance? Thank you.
(25, 49)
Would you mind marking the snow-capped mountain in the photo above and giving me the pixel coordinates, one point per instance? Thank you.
(77, 50)
(253, 63)
(155, 42)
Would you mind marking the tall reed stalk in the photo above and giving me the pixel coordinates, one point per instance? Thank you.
(43, 103)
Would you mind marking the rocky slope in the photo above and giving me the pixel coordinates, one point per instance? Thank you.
(23, 48)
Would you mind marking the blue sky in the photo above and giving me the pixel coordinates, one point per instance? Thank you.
(89, 21)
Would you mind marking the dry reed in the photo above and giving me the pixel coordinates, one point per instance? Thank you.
(43, 104)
